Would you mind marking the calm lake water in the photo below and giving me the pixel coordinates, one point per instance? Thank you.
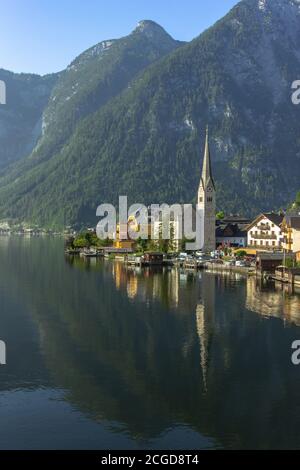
(100, 356)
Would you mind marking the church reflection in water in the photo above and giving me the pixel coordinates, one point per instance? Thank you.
(192, 348)
(145, 351)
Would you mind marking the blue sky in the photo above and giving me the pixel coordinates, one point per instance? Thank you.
(43, 36)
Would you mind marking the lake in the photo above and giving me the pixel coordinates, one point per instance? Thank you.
(103, 356)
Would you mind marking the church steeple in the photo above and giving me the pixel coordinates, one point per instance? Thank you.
(206, 169)
(207, 201)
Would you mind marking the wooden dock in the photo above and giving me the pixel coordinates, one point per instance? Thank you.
(287, 275)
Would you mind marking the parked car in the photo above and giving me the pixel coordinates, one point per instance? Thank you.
(229, 263)
(182, 256)
(216, 261)
(203, 259)
(240, 264)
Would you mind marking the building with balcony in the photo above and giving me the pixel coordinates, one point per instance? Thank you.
(291, 233)
(265, 232)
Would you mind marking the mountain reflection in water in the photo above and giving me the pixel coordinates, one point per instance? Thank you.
(146, 358)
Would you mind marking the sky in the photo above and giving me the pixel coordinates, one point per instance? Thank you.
(44, 36)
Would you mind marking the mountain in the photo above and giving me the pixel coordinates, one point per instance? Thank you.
(95, 77)
(92, 80)
(21, 120)
(146, 140)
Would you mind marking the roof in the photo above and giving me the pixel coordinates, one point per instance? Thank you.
(117, 250)
(293, 221)
(236, 219)
(206, 169)
(270, 256)
(276, 219)
(231, 230)
(249, 251)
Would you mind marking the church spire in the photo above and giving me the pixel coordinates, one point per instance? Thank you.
(207, 202)
(206, 170)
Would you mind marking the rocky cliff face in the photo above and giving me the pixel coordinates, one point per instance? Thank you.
(21, 117)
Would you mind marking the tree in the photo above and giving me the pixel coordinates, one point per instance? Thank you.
(220, 215)
(80, 242)
(289, 263)
(88, 239)
(142, 245)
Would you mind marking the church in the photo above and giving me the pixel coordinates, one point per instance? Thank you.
(207, 201)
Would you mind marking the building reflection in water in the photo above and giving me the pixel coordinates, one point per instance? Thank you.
(273, 300)
(146, 284)
(149, 350)
(205, 323)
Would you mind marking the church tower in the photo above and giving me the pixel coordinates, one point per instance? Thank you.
(207, 201)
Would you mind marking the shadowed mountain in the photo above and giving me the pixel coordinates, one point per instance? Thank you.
(21, 118)
(147, 141)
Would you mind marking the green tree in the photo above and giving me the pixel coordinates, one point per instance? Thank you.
(80, 242)
(220, 215)
(289, 263)
(142, 245)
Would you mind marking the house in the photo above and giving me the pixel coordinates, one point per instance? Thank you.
(173, 221)
(231, 235)
(265, 232)
(152, 259)
(268, 262)
(132, 226)
(120, 244)
(291, 233)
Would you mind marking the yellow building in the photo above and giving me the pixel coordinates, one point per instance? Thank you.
(291, 233)
(123, 244)
(131, 226)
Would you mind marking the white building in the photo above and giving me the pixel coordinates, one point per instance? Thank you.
(265, 232)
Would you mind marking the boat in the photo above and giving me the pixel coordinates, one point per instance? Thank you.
(89, 253)
(72, 251)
